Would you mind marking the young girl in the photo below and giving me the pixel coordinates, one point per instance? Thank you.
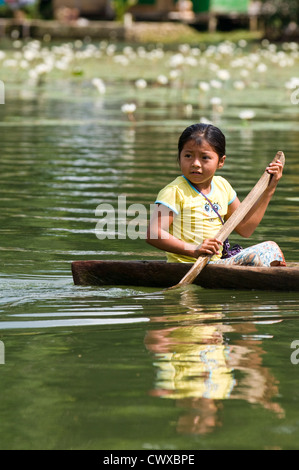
(189, 210)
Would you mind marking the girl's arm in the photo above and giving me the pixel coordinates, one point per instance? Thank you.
(158, 236)
(255, 215)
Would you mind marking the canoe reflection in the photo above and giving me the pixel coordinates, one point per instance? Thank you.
(205, 361)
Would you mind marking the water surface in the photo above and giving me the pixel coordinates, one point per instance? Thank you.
(125, 367)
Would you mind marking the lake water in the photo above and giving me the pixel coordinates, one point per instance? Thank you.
(131, 368)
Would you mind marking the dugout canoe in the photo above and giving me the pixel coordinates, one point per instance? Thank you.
(161, 274)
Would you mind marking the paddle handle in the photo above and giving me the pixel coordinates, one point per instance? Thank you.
(233, 221)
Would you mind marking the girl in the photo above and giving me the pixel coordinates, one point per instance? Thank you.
(189, 210)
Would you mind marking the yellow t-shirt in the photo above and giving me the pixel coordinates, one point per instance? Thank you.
(195, 220)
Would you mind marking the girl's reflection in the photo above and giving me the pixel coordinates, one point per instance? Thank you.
(191, 361)
(197, 366)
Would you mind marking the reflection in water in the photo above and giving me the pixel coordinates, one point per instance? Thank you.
(197, 367)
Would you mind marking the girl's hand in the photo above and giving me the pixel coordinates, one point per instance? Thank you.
(210, 246)
(275, 169)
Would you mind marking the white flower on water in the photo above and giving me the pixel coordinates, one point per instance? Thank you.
(223, 74)
(188, 109)
(128, 108)
(110, 50)
(204, 86)
(247, 114)
(10, 63)
(176, 60)
(213, 67)
(216, 84)
(30, 54)
(242, 43)
(61, 65)
(17, 44)
(215, 101)
(292, 83)
(226, 48)
(128, 51)
(156, 54)
(174, 74)
(121, 59)
(239, 85)
(262, 68)
(195, 51)
(244, 73)
(44, 68)
(237, 63)
(100, 85)
(141, 52)
(24, 64)
(37, 74)
(184, 48)
(205, 120)
(162, 80)
(192, 61)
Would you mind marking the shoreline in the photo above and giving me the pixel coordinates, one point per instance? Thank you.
(139, 31)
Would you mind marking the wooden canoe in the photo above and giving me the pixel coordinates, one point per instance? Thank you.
(162, 275)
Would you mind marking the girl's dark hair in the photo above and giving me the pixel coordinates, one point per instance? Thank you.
(207, 132)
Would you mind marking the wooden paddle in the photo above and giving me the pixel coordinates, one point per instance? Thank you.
(232, 222)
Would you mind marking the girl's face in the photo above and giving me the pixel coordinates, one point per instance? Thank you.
(199, 163)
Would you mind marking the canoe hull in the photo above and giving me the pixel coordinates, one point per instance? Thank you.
(161, 274)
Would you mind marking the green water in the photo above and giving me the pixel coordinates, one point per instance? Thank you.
(109, 368)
